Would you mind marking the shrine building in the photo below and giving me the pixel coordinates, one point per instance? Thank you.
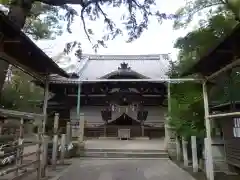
(111, 105)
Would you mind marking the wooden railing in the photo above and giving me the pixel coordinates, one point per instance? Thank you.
(13, 147)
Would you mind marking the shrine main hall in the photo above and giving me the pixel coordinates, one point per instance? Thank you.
(107, 97)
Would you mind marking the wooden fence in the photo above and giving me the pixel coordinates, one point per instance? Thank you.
(13, 147)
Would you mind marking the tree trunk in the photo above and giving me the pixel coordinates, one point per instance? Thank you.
(18, 13)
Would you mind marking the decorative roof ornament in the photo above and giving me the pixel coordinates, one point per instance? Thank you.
(124, 66)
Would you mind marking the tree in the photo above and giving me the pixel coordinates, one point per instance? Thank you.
(37, 26)
(210, 7)
(136, 19)
(19, 93)
(187, 116)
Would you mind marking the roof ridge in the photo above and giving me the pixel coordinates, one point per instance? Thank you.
(127, 57)
(123, 55)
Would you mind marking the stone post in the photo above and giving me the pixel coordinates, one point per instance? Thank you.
(63, 146)
(81, 128)
(167, 137)
(178, 149)
(55, 141)
(194, 153)
(185, 154)
(68, 133)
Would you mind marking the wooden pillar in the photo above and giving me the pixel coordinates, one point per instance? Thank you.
(78, 112)
(19, 150)
(194, 153)
(45, 104)
(185, 153)
(206, 162)
(81, 128)
(105, 129)
(167, 134)
(38, 153)
(55, 141)
(208, 145)
(44, 156)
(20, 140)
(178, 149)
(79, 101)
(142, 128)
(1, 127)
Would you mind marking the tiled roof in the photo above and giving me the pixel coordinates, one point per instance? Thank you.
(97, 66)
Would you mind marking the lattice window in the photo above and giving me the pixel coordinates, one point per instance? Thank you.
(236, 127)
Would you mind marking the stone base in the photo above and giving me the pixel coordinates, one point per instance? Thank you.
(141, 138)
(116, 138)
(78, 149)
(104, 137)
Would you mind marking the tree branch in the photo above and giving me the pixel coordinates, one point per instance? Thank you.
(84, 25)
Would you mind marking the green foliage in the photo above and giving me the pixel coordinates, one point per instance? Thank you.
(199, 42)
(187, 115)
(19, 93)
(209, 8)
(186, 107)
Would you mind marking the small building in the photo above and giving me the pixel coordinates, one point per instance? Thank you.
(110, 105)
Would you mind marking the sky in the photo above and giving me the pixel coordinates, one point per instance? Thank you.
(158, 39)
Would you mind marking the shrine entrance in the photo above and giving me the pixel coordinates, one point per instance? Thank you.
(125, 120)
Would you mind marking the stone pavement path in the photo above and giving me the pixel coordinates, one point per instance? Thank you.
(103, 169)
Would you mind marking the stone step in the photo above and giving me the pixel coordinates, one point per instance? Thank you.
(126, 150)
(124, 154)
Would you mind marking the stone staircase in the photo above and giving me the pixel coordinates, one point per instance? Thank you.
(124, 153)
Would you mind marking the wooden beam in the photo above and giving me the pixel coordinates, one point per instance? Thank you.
(231, 114)
(18, 65)
(157, 80)
(19, 114)
(45, 103)
(226, 68)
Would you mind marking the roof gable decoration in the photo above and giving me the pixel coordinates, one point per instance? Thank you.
(124, 66)
(124, 70)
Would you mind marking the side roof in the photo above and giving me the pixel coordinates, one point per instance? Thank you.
(219, 56)
(20, 51)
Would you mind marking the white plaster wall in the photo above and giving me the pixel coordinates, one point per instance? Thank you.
(155, 114)
(92, 114)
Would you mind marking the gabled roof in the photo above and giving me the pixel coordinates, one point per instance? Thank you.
(20, 51)
(103, 66)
